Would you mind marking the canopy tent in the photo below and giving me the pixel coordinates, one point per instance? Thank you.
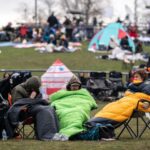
(55, 78)
(103, 37)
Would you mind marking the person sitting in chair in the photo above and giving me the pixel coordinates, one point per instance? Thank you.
(139, 82)
(28, 89)
(27, 102)
(119, 111)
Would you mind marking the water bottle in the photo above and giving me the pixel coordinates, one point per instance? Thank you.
(4, 135)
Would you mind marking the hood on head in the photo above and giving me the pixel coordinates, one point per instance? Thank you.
(33, 84)
(73, 81)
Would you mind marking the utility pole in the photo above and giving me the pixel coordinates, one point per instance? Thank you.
(135, 12)
(147, 4)
(147, 7)
(36, 15)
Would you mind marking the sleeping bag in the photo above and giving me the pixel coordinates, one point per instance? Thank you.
(73, 109)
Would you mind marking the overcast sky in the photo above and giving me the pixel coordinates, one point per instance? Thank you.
(9, 10)
(9, 13)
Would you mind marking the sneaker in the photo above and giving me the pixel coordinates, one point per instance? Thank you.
(108, 139)
(64, 138)
(60, 137)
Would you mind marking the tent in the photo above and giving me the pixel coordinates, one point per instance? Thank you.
(55, 78)
(103, 36)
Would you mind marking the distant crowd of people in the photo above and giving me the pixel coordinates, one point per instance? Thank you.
(74, 30)
(58, 35)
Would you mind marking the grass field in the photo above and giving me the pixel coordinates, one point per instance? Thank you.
(12, 58)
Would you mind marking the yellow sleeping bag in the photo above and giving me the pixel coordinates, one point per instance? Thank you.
(122, 109)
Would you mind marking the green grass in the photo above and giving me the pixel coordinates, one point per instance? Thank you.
(80, 145)
(12, 58)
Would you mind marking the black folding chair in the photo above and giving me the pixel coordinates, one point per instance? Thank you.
(83, 78)
(116, 79)
(99, 86)
(25, 129)
(139, 119)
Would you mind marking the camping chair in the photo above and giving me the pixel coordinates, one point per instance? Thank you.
(117, 82)
(83, 78)
(26, 128)
(4, 103)
(139, 119)
(19, 77)
(28, 123)
(6, 100)
(99, 86)
(98, 75)
(147, 124)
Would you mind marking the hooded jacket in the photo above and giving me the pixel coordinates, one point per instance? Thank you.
(24, 90)
(73, 80)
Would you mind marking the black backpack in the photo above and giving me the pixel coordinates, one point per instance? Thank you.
(96, 132)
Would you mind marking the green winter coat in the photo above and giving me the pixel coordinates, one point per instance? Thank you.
(73, 109)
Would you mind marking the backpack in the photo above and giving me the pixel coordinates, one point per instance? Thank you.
(96, 132)
(106, 131)
(88, 135)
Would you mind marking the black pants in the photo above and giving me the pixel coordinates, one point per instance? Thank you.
(93, 121)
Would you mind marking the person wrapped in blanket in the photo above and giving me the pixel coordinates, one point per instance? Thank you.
(27, 102)
(117, 112)
(73, 107)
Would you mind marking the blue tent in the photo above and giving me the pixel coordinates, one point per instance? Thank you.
(103, 36)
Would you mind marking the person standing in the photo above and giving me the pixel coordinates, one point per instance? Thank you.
(52, 21)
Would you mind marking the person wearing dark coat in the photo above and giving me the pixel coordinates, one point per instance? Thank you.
(52, 21)
(64, 42)
(28, 89)
(124, 43)
(140, 82)
(27, 102)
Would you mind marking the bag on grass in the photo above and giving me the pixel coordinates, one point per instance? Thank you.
(90, 135)
(96, 132)
(106, 131)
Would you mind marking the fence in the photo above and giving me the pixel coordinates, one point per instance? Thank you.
(83, 73)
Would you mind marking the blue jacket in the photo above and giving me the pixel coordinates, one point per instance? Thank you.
(143, 87)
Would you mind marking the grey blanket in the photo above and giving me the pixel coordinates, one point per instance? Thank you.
(45, 119)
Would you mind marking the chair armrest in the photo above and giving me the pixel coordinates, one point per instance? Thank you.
(142, 101)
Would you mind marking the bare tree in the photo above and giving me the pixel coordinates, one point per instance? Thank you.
(88, 8)
(49, 5)
(24, 11)
(44, 9)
